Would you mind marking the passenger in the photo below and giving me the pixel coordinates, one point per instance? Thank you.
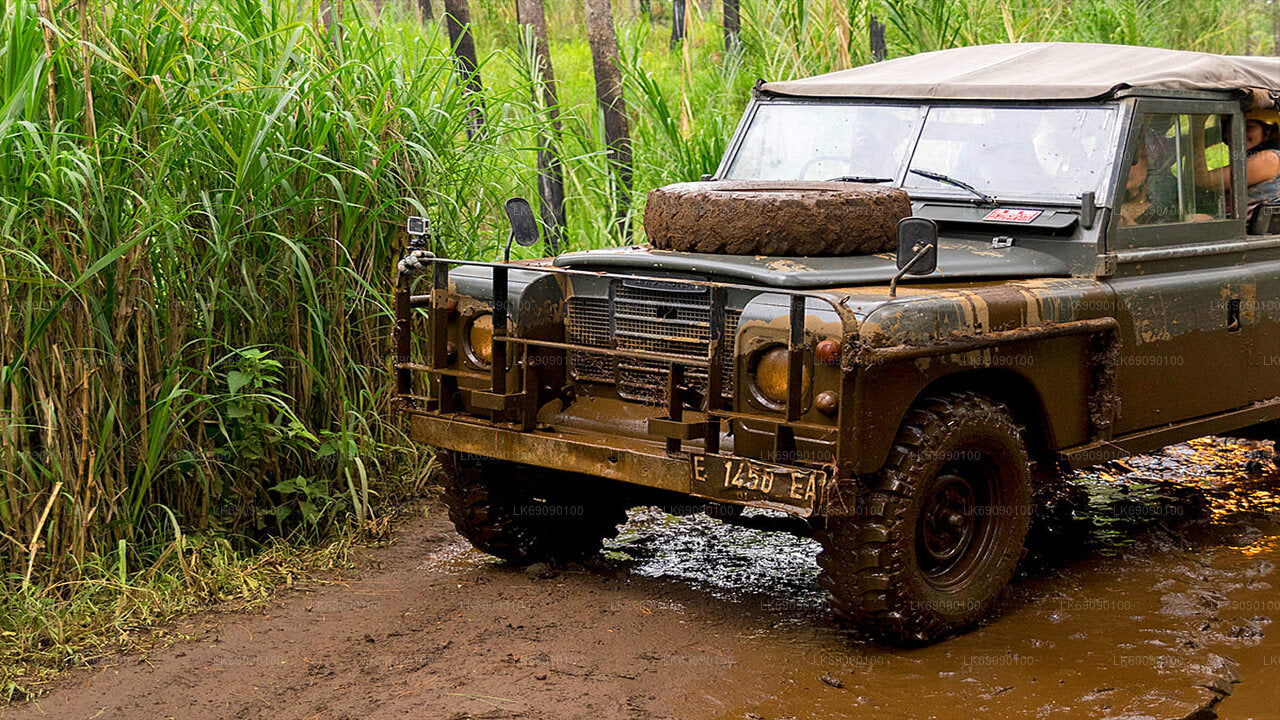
(1136, 205)
(1147, 199)
(1262, 163)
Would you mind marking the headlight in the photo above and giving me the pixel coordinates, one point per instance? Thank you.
(480, 339)
(769, 375)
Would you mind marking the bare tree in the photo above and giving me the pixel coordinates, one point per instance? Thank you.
(876, 30)
(1275, 28)
(604, 60)
(677, 22)
(732, 24)
(424, 9)
(530, 13)
(331, 15)
(457, 19)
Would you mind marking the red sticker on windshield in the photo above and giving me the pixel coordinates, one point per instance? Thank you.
(1012, 215)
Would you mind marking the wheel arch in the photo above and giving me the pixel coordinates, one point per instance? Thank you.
(1016, 390)
(1010, 388)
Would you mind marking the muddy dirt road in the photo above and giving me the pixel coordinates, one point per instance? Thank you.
(1158, 606)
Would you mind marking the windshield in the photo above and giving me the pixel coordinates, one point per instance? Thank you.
(1051, 153)
(820, 142)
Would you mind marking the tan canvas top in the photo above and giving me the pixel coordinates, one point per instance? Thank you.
(1038, 71)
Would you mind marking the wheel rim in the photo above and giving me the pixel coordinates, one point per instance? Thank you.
(954, 529)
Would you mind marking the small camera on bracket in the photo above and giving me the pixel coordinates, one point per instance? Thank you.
(417, 226)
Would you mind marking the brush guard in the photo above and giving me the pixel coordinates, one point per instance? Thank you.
(516, 403)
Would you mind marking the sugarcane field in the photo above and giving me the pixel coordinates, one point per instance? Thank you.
(652, 359)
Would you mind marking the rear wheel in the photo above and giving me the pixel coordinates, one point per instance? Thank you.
(938, 532)
(525, 514)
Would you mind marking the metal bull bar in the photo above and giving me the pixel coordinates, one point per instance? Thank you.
(522, 401)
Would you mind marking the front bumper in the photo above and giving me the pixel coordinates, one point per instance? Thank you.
(720, 477)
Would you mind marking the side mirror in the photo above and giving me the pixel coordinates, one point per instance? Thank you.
(917, 245)
(917, 249)
(524, 227)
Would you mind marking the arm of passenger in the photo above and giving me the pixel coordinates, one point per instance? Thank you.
(1218, 177)
(1262, 167)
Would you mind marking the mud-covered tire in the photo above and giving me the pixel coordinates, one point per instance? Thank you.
(524, 514)
(775, 218)
(895, 563)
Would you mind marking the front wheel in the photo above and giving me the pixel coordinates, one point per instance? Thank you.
(524, 514)
(937, 534)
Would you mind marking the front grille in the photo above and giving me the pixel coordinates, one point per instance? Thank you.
(648, 319)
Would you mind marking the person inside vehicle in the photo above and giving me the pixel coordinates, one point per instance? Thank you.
(1151, 190)
(1262, 158)
(1135, 190)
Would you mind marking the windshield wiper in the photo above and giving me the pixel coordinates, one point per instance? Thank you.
(860, 179)
(947, 179)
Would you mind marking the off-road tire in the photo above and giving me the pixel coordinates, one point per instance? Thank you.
(875, 560)
(524, 514)
(775, 218)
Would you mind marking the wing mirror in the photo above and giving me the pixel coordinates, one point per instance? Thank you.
(524, 227)
(917, 249)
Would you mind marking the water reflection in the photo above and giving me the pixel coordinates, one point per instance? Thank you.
(1149, 597)
(1205, 492)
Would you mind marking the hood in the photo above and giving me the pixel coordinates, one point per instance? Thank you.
(957, 260)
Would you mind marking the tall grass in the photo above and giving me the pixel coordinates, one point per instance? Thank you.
(196, 288)
(196, 246)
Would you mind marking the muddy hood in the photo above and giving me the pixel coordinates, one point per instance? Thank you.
(957, 260)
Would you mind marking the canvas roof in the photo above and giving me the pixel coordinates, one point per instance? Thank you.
(1038, 71)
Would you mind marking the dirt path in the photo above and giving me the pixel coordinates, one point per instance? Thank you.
(694, 619)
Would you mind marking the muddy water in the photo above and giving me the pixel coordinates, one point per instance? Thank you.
(1156, 603)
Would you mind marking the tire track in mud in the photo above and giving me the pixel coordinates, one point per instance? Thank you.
(690, 618)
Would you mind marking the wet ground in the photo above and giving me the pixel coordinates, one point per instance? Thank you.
(1157, 602)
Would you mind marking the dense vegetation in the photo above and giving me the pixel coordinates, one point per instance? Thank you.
(201, 206)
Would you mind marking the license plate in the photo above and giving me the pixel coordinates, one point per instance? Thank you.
(754, 481)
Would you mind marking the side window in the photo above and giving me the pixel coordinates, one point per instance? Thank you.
(1179, 171)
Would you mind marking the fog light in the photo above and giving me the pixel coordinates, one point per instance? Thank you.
(770, 376)
(480, 340)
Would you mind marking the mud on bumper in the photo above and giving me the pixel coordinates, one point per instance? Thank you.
(721, 477)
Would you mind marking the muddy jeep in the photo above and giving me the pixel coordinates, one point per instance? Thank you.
(912, 296)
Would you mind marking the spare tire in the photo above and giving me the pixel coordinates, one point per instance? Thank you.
(775, 218)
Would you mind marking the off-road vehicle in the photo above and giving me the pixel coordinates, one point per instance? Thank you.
(912, 294)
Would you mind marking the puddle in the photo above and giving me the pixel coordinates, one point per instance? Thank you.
(1157, 602)
(725, 560)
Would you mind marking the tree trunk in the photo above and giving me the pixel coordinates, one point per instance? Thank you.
(331, 14)
(458, 20)
(424, 10)
(604, 60)
(732, 24)
(677, 22)
(1275, 30)
(550, 172)
(876, 29)
(86, 63)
